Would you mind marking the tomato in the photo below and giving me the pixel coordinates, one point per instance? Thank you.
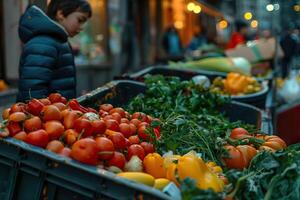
(32, 124)
(124, 120)
(142, 133)
(105, 147)
(70, 118)
(118, 160)
(54, 128)
(35, 107)
(55, 97)
(103, 113)
(63, 100)
(61, 106)
(98, 126)
(274, 142)
(118, 110)
(65, 152)
(118, 140)
(112, 124)
(106, 107)
(140, 116)
(5, 113)
(13, 128)
(82, 125)
(85, 150)
(50, 112)
(21, 136)
(38, 138)
(45, 101)
(55, 146)
(248, 153)
(18, 107)
(128, 143)
(239, 133)
(134, 139)
(277, 140)
(70, 136)
(132, 129)
(136, 122)
(236, 159)
(127, 115)
(117, 117)
(107, 117)
(137, 150)
(17, 117)
(125, 130)
(148, 147)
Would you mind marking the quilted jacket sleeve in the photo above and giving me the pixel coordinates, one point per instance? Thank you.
(37, 62)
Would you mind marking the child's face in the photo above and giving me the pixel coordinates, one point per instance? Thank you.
(73, 23)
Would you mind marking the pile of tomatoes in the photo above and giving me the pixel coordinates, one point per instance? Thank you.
(244, 146)
(109, 136)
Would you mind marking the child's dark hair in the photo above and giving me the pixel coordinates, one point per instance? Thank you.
(67, 7)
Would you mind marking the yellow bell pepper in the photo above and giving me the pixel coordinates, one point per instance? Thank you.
(154, 165)
(190, 165)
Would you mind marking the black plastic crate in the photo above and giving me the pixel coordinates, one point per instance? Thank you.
(258, 99)
(119, 93)
(31, 173)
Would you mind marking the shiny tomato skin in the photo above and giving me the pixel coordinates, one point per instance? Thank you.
(118, 160)
(86, 151)
(38, 138)
(106, 148)
(136, 150)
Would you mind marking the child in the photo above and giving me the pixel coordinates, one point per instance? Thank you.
(47, 62)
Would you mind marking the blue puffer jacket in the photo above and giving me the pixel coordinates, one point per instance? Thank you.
(47, 62)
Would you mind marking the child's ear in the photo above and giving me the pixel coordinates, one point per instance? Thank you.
(59, 15)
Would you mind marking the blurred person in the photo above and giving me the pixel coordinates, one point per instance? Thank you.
(47, 63)
(171, 42)
(199, 39)
(238, 36)
(288, 42)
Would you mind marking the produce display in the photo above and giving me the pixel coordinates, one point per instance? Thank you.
(173, 133)
(235, 84)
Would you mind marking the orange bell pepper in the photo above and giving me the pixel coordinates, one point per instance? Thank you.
(235, 83)
(154, 165)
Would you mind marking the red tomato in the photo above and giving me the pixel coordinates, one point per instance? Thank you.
(70, 136)
(64, 100)
(144, 124)
(82, 125)
(125, 130)
(38, 138)
(132, 129)
(35, 107)
(117, 117)
(21, 136)
(118, 110)
(134, 139)
(107, 117)
(148, 147)
(105, 147)
(55, 146)
(136, 122)
(137, 150)
(98, 126)
(18, 107)
(128, 143)
(13, 128)
(248, 153)
(86, 151)
(5, 113)
(118, 140)
(17, 117)
(106, 107)
(118, 160)
(236, 159)
(70, 118)
(142, 133)
(45, 101)
(55, 97)
(33, 124)
(54, 128)
(65, 152)
(61, 106)
(125, 120)
(140, 116)
(50, 112)
(103, 113)
(239, 133)
(112, 124)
